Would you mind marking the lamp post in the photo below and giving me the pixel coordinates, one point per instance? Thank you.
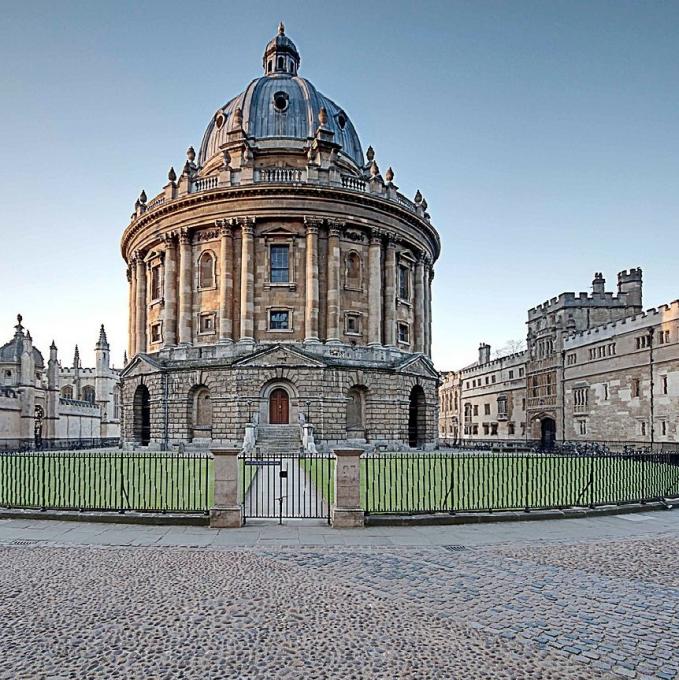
(307, 404)
(249, 411)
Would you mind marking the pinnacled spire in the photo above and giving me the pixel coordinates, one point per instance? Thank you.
(53, 345)
(142, 197)
(102, 343)
(125, 358)
(281, 28)
(172, 175)
(389, 175)
(374, 168)
(76, 358)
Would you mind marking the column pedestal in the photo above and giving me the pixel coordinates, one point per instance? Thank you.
(346, 511)
(226, 512)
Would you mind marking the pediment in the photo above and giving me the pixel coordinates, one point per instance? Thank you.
(139, 365)
(279, 355)
(279, 231)
(419, 365)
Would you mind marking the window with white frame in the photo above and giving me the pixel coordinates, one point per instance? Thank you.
(403, 333)
(404, 282)
(352, 323)
(279, 270)
(279, 320)
(156, 332)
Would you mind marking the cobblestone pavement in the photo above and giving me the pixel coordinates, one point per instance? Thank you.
(585, 609)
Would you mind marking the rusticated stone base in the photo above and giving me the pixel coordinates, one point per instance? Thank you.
(347, 518)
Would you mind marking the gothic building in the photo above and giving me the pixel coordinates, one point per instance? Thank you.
(280, 278)
(42, 404)
(597, 367)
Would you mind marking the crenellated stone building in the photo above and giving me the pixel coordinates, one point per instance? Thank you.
(597, 368)
(40, 404)
(280, 278)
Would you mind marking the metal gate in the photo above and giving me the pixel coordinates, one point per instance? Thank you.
(286, 486)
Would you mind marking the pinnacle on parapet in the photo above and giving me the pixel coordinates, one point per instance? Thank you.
(418, 197)
(191, 154)
(172, 175)
(76, 358)
(103, 340)
(53, 346)
(374, 168)
(142, 197)
(389, 175)
(370, 154)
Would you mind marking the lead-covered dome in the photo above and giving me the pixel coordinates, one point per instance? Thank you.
(280, 106)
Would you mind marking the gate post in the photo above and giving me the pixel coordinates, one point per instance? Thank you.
(346, 509)
(226, 512)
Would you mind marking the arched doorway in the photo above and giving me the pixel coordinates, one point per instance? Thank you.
(547, 433)
(416, 417)
(356, 412)
(201, 416)
(141, 415)
(279, 407)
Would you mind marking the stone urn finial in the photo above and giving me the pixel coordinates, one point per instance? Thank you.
(238, 118)
(323, 116)
(389, 175)
(424, 204)
(172, 175)
(370, 154)
(142, 197)
(191, 154)
(374, 169)
(418, 197)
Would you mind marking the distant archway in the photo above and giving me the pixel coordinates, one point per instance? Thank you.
(417, 419)
(201, 413)
(141, 415)
(547, 433)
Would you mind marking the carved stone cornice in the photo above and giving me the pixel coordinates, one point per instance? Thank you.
(225, 227)
(169, 240)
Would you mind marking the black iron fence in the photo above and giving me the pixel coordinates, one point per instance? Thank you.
(488, 481)
(285, 486)
(107, 481)
(58, 444)
(603, 446)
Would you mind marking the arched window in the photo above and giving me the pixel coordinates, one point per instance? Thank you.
(206, 270)
(141, 415)
(67, 392)
(89, 394)
(116, 403)
(280, 63)
(353, 270)
(356, 412)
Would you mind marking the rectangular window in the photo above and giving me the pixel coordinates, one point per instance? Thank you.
(403, 282)
(492, 378)
(635, 387)
(523, 404)
(510, 428)
(279, 320)
(571, 359)
(493, 429)
(475, 429)
(521, 372)
(663, 427)
(353, 324)
(206, 323)
(156, 335)
(476, 409)
(403, 333)
(486, 409)
(511, 375)
(663, 337)
(280, 272)
(485, 429)
(582, 426)
(611, 349)
(663, 382)
(156, 290)
(606, 392)
(486, 380)
(643, 427)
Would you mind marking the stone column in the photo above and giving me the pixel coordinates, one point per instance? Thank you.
(375, 289)
(311, 286)
(170, 292)
(429, 276)
(390, 294)
(346, 509)
(141, 304)
(185, 288)
(332, 333)
(247, 281)
(132, 320)
(226, 283)
(419, 330)
(226, 512)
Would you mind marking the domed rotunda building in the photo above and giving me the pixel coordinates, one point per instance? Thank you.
(280, 281)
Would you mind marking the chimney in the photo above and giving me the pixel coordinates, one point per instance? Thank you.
(484, 353)
(598, 284)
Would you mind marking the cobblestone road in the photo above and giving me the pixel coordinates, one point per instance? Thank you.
(586, 609)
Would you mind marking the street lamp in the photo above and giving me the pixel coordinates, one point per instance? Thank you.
(308, 404)
(249, 411)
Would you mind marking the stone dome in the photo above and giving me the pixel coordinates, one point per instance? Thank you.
(281, 106)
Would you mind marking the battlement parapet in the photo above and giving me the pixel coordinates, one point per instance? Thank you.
(582, 299)
(655, 315)
(494, 364)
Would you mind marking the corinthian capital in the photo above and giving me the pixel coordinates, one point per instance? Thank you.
(312, 223)
(185, 236)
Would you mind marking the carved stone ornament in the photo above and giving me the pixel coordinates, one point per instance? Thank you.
(370, 154)
(172, 175)
(418, 197)
(355, 236)
(207, 235)
(374, 169)
(389, 175)
(191, 154)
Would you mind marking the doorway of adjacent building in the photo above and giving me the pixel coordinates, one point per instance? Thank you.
(279, 407)
(547, 433)
(141, 408)
(416, 417)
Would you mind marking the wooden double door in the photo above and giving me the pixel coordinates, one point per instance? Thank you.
(279, 407)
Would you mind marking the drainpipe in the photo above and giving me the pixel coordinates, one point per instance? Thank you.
(563, 396)
(650, 367)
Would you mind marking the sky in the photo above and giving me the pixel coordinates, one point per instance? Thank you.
(542, 134)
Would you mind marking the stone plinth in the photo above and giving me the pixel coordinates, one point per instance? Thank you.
(226, 512)
(346, 510)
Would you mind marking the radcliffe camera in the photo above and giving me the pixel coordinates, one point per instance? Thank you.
(303, 374)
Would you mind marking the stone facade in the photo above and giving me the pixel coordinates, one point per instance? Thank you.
(280, 270)
(587, 355)
(40, 405)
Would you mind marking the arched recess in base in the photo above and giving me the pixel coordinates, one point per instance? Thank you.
(356, 399)
(201, 413)
(417, 417)
(141, 415)
(547, 433)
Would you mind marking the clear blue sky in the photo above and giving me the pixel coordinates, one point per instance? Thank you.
(543, 135)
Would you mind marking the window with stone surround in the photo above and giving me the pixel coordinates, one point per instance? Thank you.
(207, 323)
(280, 320)
(663, 427)
(581, 398)
(486, 409)
(510, 428)
(67, 392)
(279, 264)
(156, 283)
(352, 323)
(502, 407)
(663, 384)
(403, 333)
(206, 270)
(353, 271)
(571, 359)
(404, 282)
(156, 331)
(582, 426)
(635, 388)
(643, 428)
(643, 341)
(493, 429)
(476, 409)
(485, 429)
(663, 337)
